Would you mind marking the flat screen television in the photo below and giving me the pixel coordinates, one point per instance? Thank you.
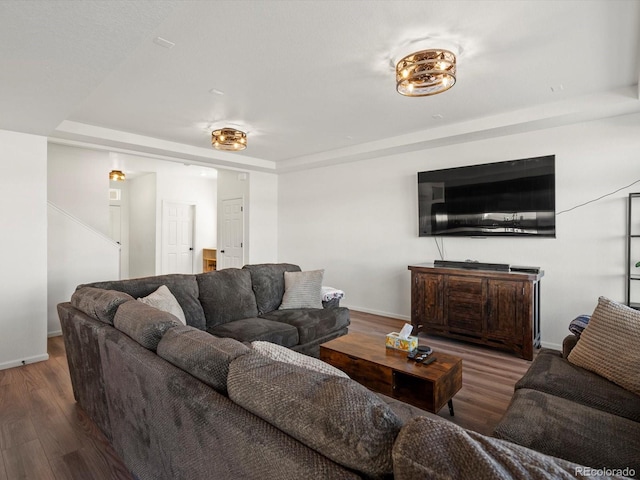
(514, 198)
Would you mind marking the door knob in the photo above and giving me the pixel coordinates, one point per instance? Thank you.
(221, 251)
(190, 248)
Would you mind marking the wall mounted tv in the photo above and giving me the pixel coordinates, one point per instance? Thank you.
(514, 198)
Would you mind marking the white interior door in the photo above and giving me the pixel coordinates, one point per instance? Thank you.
(230, 253)
(177, 237)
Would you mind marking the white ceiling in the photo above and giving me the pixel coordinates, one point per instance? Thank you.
(311, 81)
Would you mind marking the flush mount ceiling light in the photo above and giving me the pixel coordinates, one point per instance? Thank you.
(116, 175)
(427, 72)
(229, 139)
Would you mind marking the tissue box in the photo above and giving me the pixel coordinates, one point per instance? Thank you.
(394, 341)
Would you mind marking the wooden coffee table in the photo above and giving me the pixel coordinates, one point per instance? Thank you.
(366, 360)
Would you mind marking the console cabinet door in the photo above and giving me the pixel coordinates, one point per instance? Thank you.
(426, 299)
(504, 309)
(465, 299)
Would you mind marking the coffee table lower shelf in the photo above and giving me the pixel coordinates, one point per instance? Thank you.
(367, 361)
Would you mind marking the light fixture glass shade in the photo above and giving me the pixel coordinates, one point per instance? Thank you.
(229, 139)
(427, 72)
(117, 175)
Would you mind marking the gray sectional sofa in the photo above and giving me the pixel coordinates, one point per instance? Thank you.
(241, 304)
(568, 412)
(177, 402)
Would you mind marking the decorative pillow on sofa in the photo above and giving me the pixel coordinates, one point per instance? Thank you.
(609, 345)
(302, 289)
(163, 299)
(286, 355)
(578, 324)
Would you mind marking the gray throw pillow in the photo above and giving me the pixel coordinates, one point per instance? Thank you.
(302, 290)
(163, 299)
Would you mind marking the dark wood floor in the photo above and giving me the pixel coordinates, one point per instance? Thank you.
(44, 435)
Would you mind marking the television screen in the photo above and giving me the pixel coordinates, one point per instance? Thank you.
(514, 198)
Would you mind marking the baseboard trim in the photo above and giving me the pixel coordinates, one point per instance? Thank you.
(552, 346)
(378, 312)
(24, 361)
(55, 333)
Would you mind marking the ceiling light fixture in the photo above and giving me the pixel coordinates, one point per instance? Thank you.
(116, 175)
(229, 139)
(427, 72)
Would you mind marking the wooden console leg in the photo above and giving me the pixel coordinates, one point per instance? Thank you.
(450, 403)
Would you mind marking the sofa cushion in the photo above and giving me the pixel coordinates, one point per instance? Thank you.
(144, 324)
(553, 374)
(183, 287)
(302, 290)
(609, 344)
(268, 283)
(99, 303)
(333, 415)
(201, 354)
(251, 329)
(226, 295)
(163, 299)
(312, 323)
(433, 448)
(284, 354)
(565, 429)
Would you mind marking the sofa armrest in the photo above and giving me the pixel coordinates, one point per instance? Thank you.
(434, 448)
(567, 344)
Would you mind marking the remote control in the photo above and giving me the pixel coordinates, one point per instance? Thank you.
(412, 354)
(429, 361)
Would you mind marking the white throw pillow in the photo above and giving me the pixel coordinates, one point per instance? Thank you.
(286, 355)
(302, 290)
(163, 299)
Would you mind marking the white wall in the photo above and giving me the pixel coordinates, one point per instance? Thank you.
(262, 242)
(142, 226)
(358, 221)
(78, 180)
(78, 244)
(23, 303)
(77, 254)
(198, 191)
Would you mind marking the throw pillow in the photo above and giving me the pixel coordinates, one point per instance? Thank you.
(163, 299)
(609, 345)
(578, 324)
(302, 290)
(286, 355)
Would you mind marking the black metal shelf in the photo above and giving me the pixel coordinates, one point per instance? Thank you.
(631, 276)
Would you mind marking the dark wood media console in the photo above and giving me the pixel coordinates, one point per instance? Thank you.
(493, 308)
